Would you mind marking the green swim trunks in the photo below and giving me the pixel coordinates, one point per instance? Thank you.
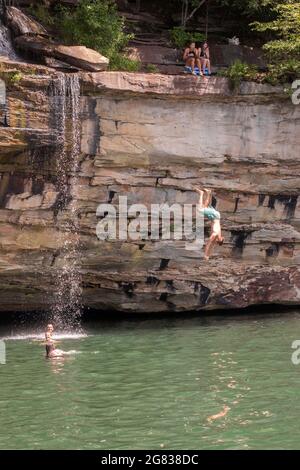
(210, 213)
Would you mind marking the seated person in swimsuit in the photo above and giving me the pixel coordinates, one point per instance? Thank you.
(205, 58)
(191, 56)
(214, 216)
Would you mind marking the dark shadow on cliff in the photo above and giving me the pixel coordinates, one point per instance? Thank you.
(95, 319)
(256, 310)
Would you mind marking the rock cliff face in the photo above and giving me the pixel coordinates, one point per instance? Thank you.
(152, 138)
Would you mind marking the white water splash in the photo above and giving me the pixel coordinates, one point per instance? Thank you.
(41, 336)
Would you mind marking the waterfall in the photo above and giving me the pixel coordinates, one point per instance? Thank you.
(6, 47)
(66, 306)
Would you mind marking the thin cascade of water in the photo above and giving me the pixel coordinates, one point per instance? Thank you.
(6, 47)
(66, 306)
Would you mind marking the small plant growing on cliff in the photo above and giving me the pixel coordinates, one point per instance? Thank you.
(119, 61)
(284, 72)
(151, 68)
(238, 72)
(10, 77)
(14, 77)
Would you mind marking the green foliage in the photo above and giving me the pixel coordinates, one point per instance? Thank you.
(240, 71)
(41, 13)
(15, 77)
(283, 51)
(151, 68)
(251, 7)
(10, 77)
(283, 72)
(119, 61)
(95, 24)
(180, 37)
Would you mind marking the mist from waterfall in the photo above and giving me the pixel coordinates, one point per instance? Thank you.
(66, 304)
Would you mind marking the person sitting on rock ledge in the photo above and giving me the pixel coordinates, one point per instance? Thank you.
(209, 212)
(191, 57)
(205, 59)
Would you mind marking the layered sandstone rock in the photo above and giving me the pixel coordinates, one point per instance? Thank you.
(152, 138)
(21, 24)
(80, 57)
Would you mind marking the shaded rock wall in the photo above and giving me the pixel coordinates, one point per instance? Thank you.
(152, 138)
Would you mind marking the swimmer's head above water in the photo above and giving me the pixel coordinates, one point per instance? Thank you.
(50, 328)
(49, 331)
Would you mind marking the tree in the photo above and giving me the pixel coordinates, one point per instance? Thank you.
(189, 8)
(284, 50)
(287, 29)
(257, 8)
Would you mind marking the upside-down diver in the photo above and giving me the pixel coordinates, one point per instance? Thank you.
(209, 212)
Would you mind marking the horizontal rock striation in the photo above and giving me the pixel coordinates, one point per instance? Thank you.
(152, 138)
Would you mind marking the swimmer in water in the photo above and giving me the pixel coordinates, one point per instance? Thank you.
(222, 414)
(51, 351)
(210, 213)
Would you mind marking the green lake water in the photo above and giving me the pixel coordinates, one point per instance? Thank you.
(153, 384)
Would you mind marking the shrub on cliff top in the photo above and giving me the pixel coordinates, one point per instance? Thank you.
(238, 72)
(119, 61)
(96, 24)
(284, 50)
(180, 37)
